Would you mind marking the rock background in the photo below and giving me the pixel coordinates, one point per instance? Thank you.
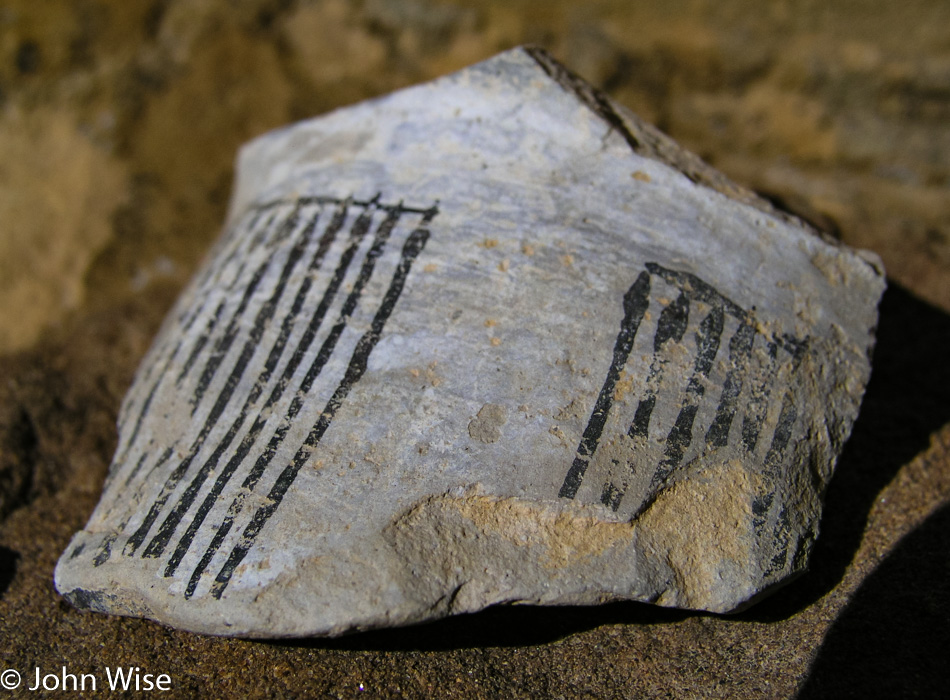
(119, 123)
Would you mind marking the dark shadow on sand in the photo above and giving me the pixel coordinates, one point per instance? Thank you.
(893, 639)
(499, 626)
(8, 562)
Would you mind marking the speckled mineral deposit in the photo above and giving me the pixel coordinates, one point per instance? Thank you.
(486, 340)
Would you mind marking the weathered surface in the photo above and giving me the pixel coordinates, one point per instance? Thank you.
(489, 339)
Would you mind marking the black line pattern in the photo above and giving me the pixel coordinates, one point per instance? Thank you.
(635, 303)
(323, 254)
(706, 398)
(215, 284)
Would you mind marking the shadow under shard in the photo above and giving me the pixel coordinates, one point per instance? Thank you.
(8, 562)
(499, 626)
(892, 639)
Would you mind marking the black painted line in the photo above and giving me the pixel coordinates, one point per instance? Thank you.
(134, 397)
(143, 409)
(201, 341)
(635, 303)
(681, 434)
(740, 346)
(133, 499)
(240, 245)
(757, 406)
(287, 325)
(255, 241)
(677, 442)
(796, 347)
(273, 203)
(783, 433)
(323, 355)
(762, 503)
(306, 199)
(264, 315)
(357, 234)
(671, 326)
(223, 397)
(698, 289)
(354, 372)
(780, 535)
(321, 199)
(135, 471)
(224, 293)
(188, 315)
(612, 495)
(789, 412)
(223, 344)
(640, 427)
(259, 235)
(211, 274)
(233, 239)
(105, 548)
(672, 322)
(781, 436)
(212, 277)
(182, 331)
(752, 424)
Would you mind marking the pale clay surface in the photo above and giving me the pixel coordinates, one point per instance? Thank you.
(464, 345)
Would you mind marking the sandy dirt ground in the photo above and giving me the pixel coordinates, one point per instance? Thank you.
(119, 122)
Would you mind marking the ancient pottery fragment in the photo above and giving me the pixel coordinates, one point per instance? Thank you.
(490, 339)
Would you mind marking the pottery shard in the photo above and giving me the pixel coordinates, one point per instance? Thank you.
(489, 339)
